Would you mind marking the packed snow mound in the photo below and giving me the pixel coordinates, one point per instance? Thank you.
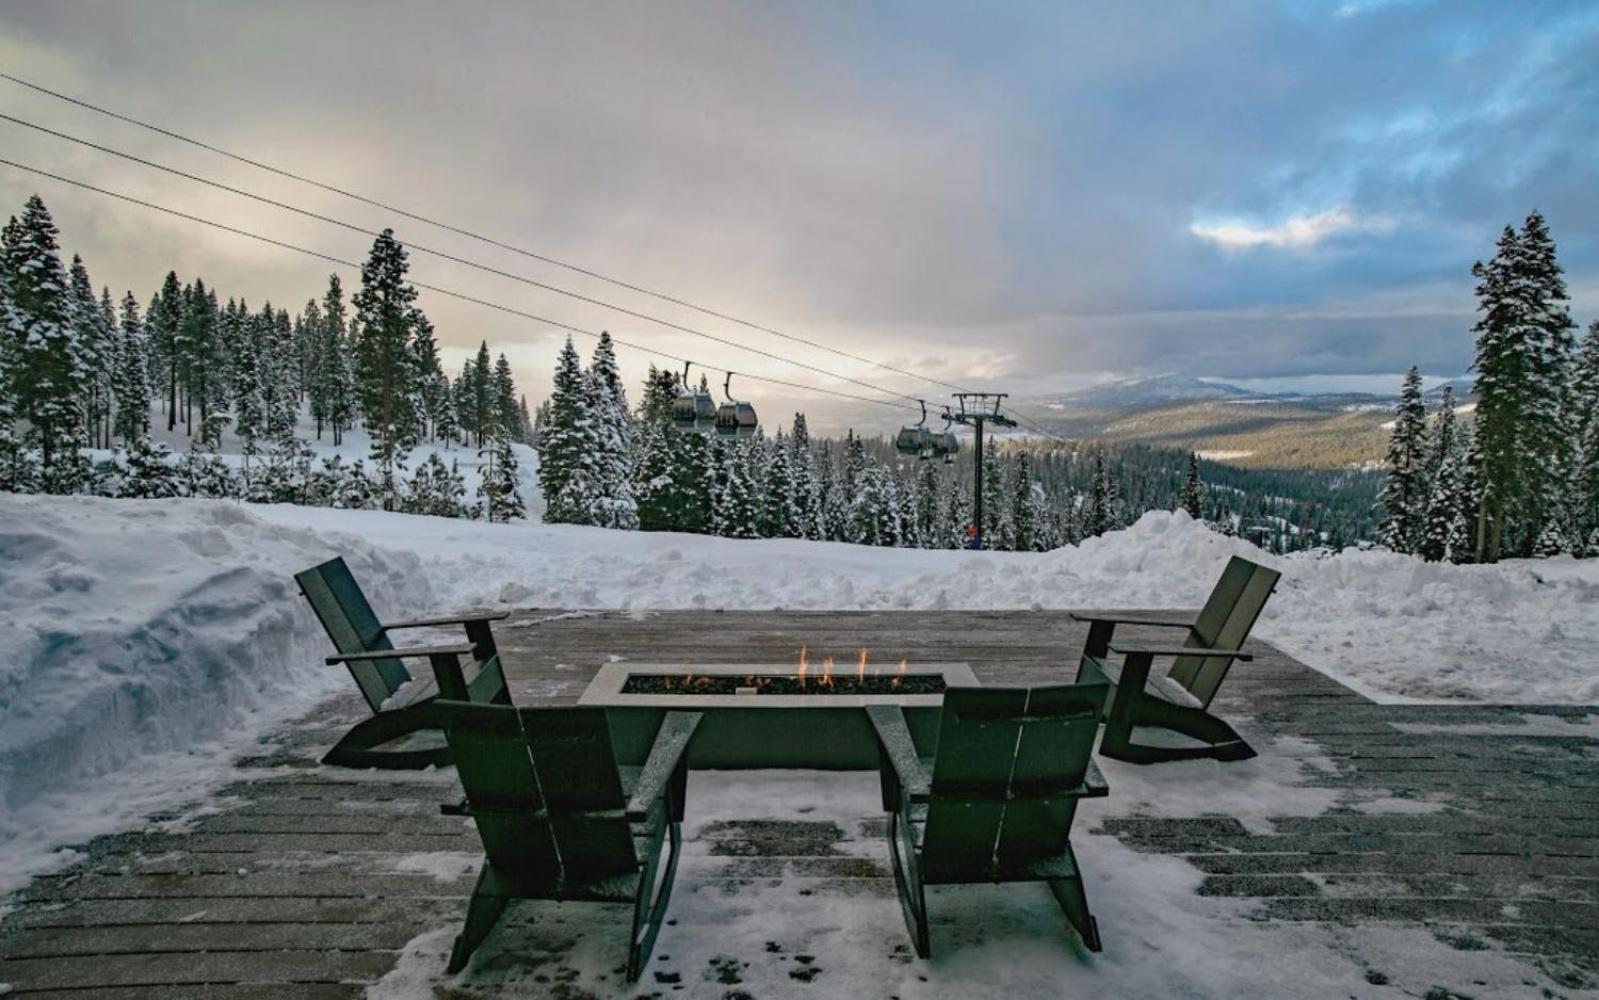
(143, 641)
(1392, 626)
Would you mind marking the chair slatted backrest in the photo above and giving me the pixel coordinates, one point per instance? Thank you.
(1224, 623)
(544, 791)
(1006, 778)
(354, 628)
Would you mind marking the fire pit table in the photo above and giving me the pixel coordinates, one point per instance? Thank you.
(771, 715)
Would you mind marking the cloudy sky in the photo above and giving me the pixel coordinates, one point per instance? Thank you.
(1016, 196)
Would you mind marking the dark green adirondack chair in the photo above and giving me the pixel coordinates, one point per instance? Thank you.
(560, 821)
(397, 716)
(1178, 700)
(997, 801)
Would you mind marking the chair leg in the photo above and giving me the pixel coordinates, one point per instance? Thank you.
(908, 882)
(1088, 672)
(1074, 903)
(488, 902)
(1222, 740)
(649, 913)
(355, 748)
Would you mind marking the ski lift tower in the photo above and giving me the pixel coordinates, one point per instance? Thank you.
(979, 409)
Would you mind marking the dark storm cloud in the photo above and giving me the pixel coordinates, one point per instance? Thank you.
(1025, 195)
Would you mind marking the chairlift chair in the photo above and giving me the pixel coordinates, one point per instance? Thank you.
(735, 418)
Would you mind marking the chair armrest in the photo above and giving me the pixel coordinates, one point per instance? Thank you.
(461, 619)
(1089, 616)
(899, 750)
(1137, 649)
(666, 755)
(1094, 784)
(459, 649)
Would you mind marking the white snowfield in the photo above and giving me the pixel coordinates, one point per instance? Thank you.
(142, 643)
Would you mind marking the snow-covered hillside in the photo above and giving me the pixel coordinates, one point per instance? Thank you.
(355, 444)
(141, 642)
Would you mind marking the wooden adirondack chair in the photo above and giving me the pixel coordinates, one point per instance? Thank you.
(560, 821)
(1180, 699)
(364, 646)
(997, 801)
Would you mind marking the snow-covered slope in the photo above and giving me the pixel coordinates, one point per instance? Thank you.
(1392, 626)
(142, 642)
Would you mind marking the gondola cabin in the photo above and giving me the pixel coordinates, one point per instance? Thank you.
(736, 419)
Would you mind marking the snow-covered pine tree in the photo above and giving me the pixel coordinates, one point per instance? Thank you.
(1583, 488)
(1026, 513)
(873, 510)
(39, 317)
(802, 466)
(1555, 400)
(149, 474)
(831, 496)
(930, 533)
(202, 473)
(1443, 510)
(92, 349)
(1100, 511)
(386, 383)
(200, 366)
(130, 383)
(17, 474)
(335, 370)
(996, 502)
(430, 389)
(1403, 498)
(1190, 500)
(779, 514)
(905, 502)
(611, 423)
(507, 415)
(735, 509)
(435, 489)
(567, 438)
(164, 326)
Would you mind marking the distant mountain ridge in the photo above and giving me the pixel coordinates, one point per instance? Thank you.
(1226, 422)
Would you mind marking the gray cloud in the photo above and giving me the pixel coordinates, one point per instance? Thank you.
(1002, 197)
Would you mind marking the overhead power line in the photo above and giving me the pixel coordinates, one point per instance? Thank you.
(444, 255)
(470, 234)
(511, 310)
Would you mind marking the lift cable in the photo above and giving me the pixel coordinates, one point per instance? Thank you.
(470, 234)
(436, 288)
(454, 259)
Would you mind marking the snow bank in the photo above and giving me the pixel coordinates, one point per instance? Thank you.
(142, 643)
(1392, 626)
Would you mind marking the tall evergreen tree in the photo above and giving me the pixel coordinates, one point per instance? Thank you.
(1190, 500)
(387, 374)
(611, 457)
(164, 326)
(91, 351)
(567, 440)
(39, 318)
(1026, 507)
(1403, 499)
(131, 377)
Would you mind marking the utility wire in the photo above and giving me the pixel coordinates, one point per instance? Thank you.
(437, 289)
(443, 255)
(417, 217)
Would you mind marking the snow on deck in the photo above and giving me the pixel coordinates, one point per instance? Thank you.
(1371, 850)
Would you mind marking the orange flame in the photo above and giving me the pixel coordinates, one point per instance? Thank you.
(802, 664)
(827, 672)
(860, 666)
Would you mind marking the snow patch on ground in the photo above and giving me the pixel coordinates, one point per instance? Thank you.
(143, 644)
(792, 937)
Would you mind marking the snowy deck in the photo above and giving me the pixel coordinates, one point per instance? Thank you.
(1418, 846)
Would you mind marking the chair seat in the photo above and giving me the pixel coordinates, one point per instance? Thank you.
(1159, 685)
